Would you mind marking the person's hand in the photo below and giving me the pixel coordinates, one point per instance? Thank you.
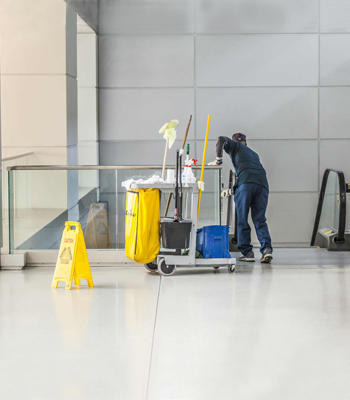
(226, 193)
(218, 161)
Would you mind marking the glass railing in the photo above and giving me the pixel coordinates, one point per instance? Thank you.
(331, 203)
(23, 159)
(331, 210)
(42, 199)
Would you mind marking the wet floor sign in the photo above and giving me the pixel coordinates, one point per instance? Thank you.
(72, 259)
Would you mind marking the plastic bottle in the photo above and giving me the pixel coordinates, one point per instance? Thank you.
(187, 175)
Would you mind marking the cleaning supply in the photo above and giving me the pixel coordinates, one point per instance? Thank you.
(170, 176)
(181, 152)
(169, 132)
(180, 185)
(142, 224)
(176, 214)
(188, 175)
(175, 235)
(212, 241)
(152, 180)
(201, 183)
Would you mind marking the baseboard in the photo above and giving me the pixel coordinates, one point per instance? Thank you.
(13, 261)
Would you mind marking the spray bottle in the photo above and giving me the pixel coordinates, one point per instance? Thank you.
(187, 153)
(186, 164)
(188, 175)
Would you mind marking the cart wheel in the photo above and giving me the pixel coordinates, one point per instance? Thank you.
(216, 267)
(151, 267)
(231, 269)
(164, 269)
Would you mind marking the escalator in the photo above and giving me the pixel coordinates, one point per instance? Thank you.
(330, 223)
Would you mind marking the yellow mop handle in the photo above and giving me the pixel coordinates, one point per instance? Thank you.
(203, 164)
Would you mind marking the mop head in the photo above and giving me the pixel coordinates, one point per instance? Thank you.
(169, 132)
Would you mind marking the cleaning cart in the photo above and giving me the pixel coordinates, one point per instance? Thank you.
(167, 261)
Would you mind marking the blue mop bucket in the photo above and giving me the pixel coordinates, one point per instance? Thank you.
(213, 241)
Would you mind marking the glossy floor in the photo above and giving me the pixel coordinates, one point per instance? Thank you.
(279, 332)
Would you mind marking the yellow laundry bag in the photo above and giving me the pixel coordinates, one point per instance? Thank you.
(142, 225)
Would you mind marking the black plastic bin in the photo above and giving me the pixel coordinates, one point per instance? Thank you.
(175, 235)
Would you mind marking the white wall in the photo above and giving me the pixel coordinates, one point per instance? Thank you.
(276, 70)
(39, 91)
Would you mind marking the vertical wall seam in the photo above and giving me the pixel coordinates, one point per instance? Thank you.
(194, 77)
(318, 98)
(98, 96)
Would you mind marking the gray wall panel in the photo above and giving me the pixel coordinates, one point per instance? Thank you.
(72, 111)
(87, 10)
(291, 216)
(137, 152)
(261, 113)
(335, 16)
(122, 109)
(335, 60)
(146, 61)
(291, 165)
(334, 154)
(231, 16)
(148, 16)
(334, 112)
(71, 41)
(257, 60)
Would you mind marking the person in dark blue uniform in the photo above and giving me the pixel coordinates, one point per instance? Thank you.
(251, 192)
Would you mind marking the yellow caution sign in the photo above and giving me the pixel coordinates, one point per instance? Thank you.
(97, 235)
(72, 258)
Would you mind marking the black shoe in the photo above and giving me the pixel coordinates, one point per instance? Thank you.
(266, 257)
(249, 257)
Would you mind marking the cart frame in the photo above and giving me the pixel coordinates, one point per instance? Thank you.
(167, 263)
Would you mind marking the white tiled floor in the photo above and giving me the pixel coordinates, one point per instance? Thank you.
(279, 332)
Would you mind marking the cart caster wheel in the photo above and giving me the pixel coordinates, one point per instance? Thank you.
(151, 267)
(164, 269)
(216, 267)
(231, 269)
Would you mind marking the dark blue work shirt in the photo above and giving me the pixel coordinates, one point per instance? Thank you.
(246, 162)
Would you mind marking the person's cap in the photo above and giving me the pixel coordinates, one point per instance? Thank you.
(239, 137)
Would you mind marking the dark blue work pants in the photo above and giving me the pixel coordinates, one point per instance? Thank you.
(255, 197)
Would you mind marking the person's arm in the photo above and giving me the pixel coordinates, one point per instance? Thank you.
(223, 143)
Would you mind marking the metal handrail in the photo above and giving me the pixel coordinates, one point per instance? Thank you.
(94, 167)
(342, 201)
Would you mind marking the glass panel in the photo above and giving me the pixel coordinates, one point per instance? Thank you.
(41, 201)
(331, 203)
(21, 159)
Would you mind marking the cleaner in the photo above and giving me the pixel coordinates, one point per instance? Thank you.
(188, 175)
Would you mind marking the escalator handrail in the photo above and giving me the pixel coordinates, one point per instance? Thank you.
(342, 200)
